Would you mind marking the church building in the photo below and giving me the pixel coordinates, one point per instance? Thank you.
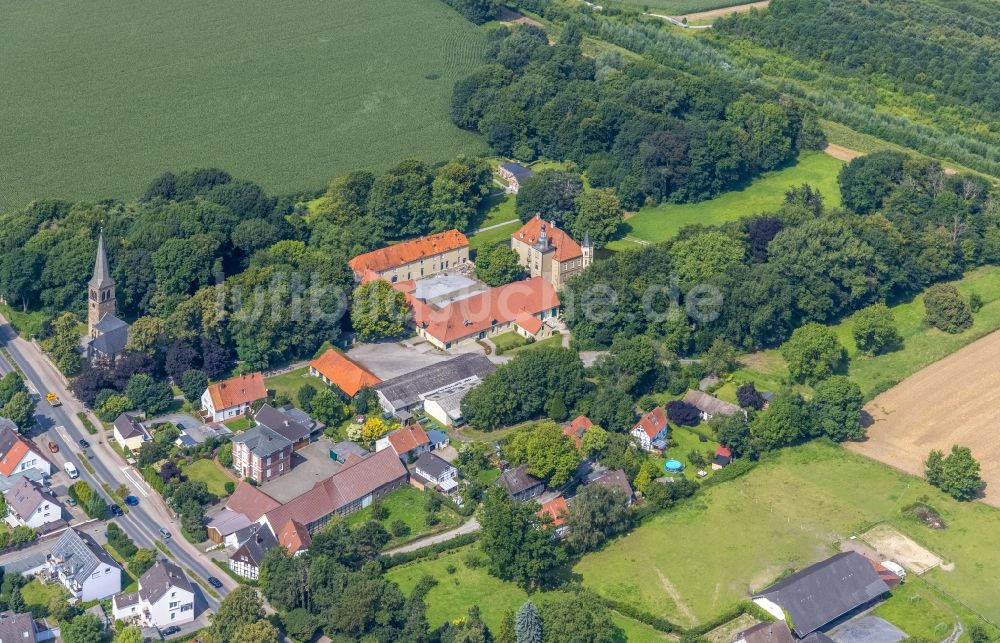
(106, 334)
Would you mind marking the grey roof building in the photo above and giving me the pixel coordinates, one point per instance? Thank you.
(25, 497)
(824, 592)
(262, 441)
(18, 627)
(283, 423)
(404, 392)
(247, 558)
(85, 569)
(520, 484)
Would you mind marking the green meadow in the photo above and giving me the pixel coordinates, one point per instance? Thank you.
(662, 222)
(100, 96)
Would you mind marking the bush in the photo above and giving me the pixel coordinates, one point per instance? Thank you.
(682, 413)
(398, 528)
(451, 569)
(380, 511)
(230, 487)
(946, 310)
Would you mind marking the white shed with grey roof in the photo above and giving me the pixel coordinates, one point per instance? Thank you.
(406, 392)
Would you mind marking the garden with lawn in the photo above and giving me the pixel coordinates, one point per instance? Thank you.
(662, 222)
(37, 594)
(289, 383)
(210, 473)
(240, 424)
(409, 506)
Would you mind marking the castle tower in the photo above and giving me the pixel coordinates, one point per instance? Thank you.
(100, 290)
(588, 250)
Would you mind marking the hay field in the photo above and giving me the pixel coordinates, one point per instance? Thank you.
(952, 401)
(100, 96)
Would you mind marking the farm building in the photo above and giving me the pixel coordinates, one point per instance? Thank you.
(710, 406)
(515, 175)
(402, 394)
(336, 369)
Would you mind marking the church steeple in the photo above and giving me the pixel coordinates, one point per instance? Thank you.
(100, 290)
(102, 276)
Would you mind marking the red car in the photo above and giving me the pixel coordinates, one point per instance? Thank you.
(53, 447)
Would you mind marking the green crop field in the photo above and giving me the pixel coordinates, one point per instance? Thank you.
(661, 222)
(690, 563)
(100, 97)
(922, 344)
(681, 7)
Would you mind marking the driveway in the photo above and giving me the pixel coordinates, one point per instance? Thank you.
(310, 464)
(192, 426)
(867, 629)
(467, 527)
(392, 359)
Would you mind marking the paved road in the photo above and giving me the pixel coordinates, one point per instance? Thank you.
(60, 424)
(465, 528)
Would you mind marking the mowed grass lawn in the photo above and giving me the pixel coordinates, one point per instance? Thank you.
(690, 563)
(289, 383)
(456, 592)
(408, 504)
(209, 473)
(922, 344)
(37, 595)
(662, 222)
(100, 97)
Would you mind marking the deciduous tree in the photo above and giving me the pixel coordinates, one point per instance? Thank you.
(813, 353)
(379, 311)
(875, 330)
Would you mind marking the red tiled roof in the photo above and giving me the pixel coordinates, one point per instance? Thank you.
(724, 452)
(557, 509)
(408, 252)
(565, 247)
(890, 578)
(15, 447)
(251, 501)
(356, 479)
(484, 310)
(653, 422)
(244, 389)
(529, 323)
(408, 438)
(294, 537)
(343, 372)
(575, 429)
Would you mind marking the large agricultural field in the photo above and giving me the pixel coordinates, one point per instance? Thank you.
(681, 7)
(690, 563)
(100, 97)
(661, 222)
(952, 401)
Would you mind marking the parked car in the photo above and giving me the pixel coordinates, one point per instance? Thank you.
(71, 471)
(70, 501)
(53, 447)
(214, 582)
(116, 510)
(165, 533)
(131, 501)
(84, 443)
(170, 631)
(53, 399)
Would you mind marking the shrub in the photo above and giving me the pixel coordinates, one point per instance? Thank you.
(230, 487)
(682, 413)
(380, 511)
(398, 528)
(946, 310)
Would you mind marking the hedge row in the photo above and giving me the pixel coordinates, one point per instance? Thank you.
(735, 470)
(393, 560)
(628, 609)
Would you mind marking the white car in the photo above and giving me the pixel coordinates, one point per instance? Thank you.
(71, 471)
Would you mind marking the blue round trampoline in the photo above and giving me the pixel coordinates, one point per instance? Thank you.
(673, 466)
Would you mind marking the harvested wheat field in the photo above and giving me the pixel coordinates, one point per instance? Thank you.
(952, 401)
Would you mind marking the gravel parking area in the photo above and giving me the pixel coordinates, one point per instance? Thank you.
(310, 465)
(393, 359)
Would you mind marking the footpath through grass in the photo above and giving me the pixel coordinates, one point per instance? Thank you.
(662, 222)
(690, 563)
(288, 94)
(922, 344)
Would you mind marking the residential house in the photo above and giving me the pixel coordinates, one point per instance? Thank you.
(575, 429)
(286, 424)
(413, 259)
(528, 307)
(401, 395)
(552, 254)
(294, 537)
(261, 454)
(107, 335)
(723, 457)
(19, 454)
(766, 632)
(407, 442)
(556, 510)
(435, 472)
(246, 560)
(232, 398)
(710, 406)
(439, 439)
(356, 485)
(651, 430)
(616, 479)
(336, 369)
(129, 432)
(826, 591)
(22, 628)
(515, 175)
(165, 597)
(520, 484)
(29, 504)
(83, 568)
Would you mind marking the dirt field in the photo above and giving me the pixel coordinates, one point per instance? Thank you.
(511, 17)
(725, 11)
(952, 401)
(892, 545)
(841, 152)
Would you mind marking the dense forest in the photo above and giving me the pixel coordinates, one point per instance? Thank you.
(652, 131)
(921, 73)
(906, 224)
